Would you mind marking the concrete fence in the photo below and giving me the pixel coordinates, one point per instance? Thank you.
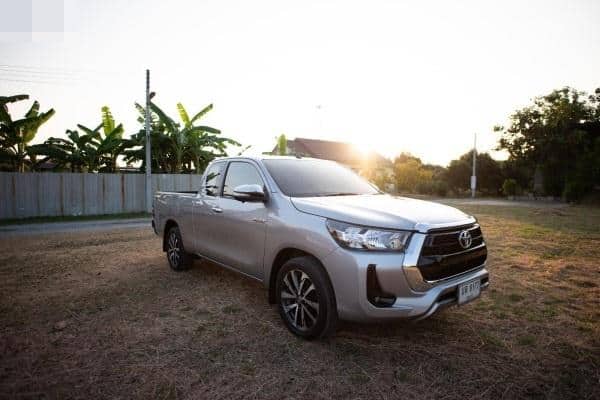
(33, 194)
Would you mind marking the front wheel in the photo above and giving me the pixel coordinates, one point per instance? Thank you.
(176, 255)
(306, 299)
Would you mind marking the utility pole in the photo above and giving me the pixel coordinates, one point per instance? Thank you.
(148, 152)
(319, 109)
(474, 176)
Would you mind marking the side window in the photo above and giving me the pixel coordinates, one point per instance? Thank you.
(240, 173)
(213, 179)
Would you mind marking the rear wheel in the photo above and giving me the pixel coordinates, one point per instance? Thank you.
(305, 298)
(176, 255)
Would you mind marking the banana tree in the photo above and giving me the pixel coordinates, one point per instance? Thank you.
(203, 143)
(77, 152)
(104, 144)
(176, 136)
(177, 146)
(111, 144)
(160, 143)
(15, 135)
(195, 144)
(203, 147)
(93, 150)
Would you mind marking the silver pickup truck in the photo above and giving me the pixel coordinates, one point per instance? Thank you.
(326, 243)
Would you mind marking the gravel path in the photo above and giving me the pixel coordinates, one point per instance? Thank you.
(57, 227)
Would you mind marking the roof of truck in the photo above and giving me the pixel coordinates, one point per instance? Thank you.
(266, 157)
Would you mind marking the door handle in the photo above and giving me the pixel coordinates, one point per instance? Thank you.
(217, 209)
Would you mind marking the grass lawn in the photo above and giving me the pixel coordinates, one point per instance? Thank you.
(101, 315)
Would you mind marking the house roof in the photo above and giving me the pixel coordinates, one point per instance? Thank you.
(345, 153)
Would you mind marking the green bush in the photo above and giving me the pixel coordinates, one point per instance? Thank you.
(510, 187)
(441, 188)
(575, 190)
(424, 187)
(438, 188)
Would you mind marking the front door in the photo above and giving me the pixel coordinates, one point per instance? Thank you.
(241, 231)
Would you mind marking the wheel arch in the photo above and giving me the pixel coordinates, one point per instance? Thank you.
(280, 259)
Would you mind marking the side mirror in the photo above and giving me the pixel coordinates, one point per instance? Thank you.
(249, 193)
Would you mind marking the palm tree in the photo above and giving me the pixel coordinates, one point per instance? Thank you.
(15, 136)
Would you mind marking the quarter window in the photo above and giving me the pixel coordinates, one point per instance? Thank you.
(213, 179)
(240, 173)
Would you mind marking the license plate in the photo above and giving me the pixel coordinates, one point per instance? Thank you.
(468, 291)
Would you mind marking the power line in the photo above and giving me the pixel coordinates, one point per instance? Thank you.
(22, 71)
(18, 75)
(27, 81)
(43, 69)
(59, 70)
(33, 76)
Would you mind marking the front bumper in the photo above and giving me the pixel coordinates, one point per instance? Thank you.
(415, 298)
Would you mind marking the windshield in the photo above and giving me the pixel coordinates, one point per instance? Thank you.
(309, 178)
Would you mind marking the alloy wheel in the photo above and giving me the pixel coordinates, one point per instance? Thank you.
(299, 299)
(173, 249)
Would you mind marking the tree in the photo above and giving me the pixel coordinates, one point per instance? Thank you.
(202, 142)
(518, 170)
(510, 187)
(110, 143)
(159, 143)
(559, 134)
(178, 146)
(378, 176)
(15, 136)
(94, 150)
(489, 173)
(76, 153)
(282, 145)
(410, 174)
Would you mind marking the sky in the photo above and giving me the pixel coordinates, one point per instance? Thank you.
(391, 76)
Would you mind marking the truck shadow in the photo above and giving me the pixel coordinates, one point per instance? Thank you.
(253, 293)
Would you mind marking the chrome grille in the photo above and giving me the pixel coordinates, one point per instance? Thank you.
(442, 256)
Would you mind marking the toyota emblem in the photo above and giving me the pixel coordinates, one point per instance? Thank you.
(465, 239)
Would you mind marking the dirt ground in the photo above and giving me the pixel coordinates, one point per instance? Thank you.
(100, 315)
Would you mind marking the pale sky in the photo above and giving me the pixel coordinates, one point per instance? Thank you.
(393, 76)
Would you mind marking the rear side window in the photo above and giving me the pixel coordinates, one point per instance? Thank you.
(240, 173)
(213, 179)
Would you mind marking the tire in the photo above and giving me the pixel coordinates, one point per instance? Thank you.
(305, 298)
(178, 259)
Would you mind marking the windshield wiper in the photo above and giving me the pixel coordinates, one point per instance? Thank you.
(340, 194)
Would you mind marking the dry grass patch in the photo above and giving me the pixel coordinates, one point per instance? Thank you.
(100, 315)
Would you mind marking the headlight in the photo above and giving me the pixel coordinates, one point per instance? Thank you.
(364, 238)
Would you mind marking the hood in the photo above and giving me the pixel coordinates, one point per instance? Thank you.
(384, 211)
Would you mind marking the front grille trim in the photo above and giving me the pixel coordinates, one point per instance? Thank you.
(452, 229)
(456, 276)
(432, 257)
(474, 248)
